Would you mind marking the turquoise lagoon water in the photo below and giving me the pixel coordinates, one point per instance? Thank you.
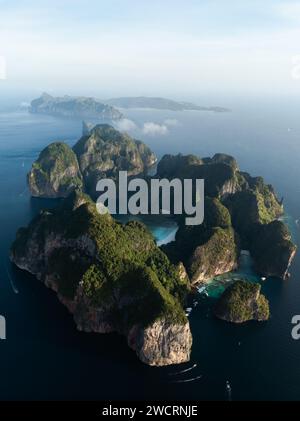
(217, 285)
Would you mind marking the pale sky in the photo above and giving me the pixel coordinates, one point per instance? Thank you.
(157, 47)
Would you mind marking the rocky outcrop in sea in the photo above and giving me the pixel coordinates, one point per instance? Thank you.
(242, 301)
(111, 277)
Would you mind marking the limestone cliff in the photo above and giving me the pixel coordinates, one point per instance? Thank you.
(162, 343)
(220, 173)
(218, 255)
(105, 151)
(242, 301)
(272, 249)
(209, 249)
(55, 173)
(111, 277)
(240, 211)
(100, 153)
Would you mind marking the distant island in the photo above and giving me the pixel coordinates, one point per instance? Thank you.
(74, 107)
(114, 278)
(109, 109)
(159, 104)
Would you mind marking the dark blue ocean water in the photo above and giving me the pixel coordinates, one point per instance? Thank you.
(44, 357)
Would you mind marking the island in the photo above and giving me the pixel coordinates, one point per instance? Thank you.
(242, 301)
(114, 278)
(160, 104)
(111, 277)
(74, 107)
(241, 213)
(100, 153)
(55, 173)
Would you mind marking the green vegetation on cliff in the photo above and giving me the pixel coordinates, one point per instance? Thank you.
(105, 151)
(242, 301)
(237, 207)
(220, 173)
(272, 248)
(101, 153)
(251, 206)
(117, 265)
(55, 173)
(208, 249)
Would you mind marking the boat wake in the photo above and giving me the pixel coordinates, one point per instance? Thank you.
(188, 380)
(183, 371)
(12, 284)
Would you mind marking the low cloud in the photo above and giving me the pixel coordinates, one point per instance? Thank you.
(25, 104)
(171, 122)
(126, 125)
(150, 128)
(154, 129)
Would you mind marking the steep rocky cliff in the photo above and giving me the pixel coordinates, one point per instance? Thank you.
(105, 151)
(220, 173)
(256, 203)
(240, 212)
(162, 343)
(55, 173)
(272, 249)
(111, 277)
(242, 301)
(218, 255)
(101, 153)
(209, 249)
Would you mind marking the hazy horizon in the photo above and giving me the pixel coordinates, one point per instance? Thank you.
(176, 49)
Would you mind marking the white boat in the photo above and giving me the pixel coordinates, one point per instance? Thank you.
(245, 253)
(188, 311)
(228, 390)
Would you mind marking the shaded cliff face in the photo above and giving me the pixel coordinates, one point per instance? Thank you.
(101, 153)
(240, 212)
(74, 107)
(55, 173)
(220, 173)
(111, 277)
(105, 151)
(209, 249)
(218, 255)
(256, 204)
(241, 302)
(272, 249)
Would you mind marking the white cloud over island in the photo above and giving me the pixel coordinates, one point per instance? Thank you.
(149, 128)
(154, 129)
(126, 125)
